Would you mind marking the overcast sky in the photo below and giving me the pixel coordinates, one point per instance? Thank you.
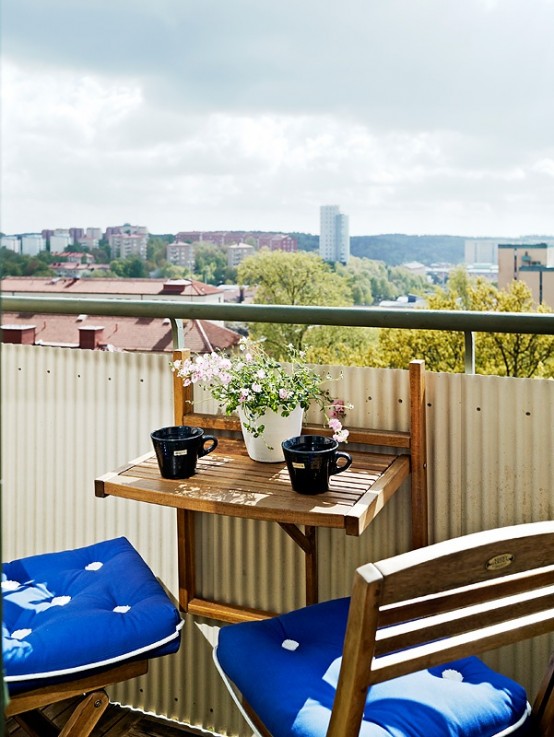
(414, 116)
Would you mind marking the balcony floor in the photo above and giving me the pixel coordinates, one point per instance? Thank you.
(115, 722)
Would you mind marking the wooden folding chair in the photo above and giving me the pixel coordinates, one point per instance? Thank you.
(399, 658)
(76, 621)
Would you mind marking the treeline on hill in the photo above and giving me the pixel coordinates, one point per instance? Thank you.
(395, 248)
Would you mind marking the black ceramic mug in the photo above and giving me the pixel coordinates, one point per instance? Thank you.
(311, 460)
(179, 447)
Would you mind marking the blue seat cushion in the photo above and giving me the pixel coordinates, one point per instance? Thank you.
(287, 669)
(69, 612)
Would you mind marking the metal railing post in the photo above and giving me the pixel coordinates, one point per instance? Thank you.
(177, 333)
(469, 352)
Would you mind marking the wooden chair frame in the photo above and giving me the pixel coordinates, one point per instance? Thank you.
(24, 706)
(475, 593)
(447, 601)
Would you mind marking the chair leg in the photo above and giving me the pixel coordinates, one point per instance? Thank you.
(85, 717)
(543, 708)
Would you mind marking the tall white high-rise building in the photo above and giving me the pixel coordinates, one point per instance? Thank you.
(334, 237)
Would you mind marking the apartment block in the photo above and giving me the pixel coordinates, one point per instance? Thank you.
(278, 242)
(32, 243)
(12, 242)
(123, 245)
(238, 252)
(531, 263)
(334, 236)
(181, 254)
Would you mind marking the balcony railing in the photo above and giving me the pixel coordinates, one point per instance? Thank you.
(69, 416)
(467, 323)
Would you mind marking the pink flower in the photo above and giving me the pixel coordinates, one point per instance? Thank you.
(284, 393)
(335, 424)
(257, 388)
(341, 436)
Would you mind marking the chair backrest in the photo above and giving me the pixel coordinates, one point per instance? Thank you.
(446, 601)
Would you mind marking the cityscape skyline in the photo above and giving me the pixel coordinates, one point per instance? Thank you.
(418, 117)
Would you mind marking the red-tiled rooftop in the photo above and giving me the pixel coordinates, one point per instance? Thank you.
(120, 287)
(118, 333)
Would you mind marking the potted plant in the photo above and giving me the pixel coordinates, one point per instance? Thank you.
(269, 397)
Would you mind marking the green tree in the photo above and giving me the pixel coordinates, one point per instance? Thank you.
(337, 345)
(102, 254)
(210, 263)
(495, 353)
(172, 271)
(132, 267)
(156, 250)
(373, 281)
(511, 354)
(291, 279)
(16, 264)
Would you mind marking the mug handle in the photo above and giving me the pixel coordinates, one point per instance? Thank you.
(203, 450)
(339, 469)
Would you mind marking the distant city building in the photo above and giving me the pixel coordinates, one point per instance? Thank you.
(531, 263)
(126, 229)
(238, 252)
(96, 233)
(484, 270)
(416, 268)
(76, 233)
(32, 243)
(485, 250)
(481, 250)
(127, 240)
(278, 242)
(334, 237)
(87, 241)
(181, 254)
(12, 242)
(89, 238)
(273, 241)
(123, 245)
(59, 240)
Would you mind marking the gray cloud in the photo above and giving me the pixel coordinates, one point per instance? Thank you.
(416, 115)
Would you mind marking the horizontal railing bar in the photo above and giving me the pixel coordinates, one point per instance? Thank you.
(376, 317)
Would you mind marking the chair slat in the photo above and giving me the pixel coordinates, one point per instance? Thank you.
(405, 611)
(451, 623)
(459, 562)
(461, 646)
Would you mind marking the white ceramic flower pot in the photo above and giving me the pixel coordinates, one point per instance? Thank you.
(267, 446)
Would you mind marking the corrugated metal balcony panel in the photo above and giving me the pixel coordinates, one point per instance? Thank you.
(445, 455)
(508, 438)
(69, 416)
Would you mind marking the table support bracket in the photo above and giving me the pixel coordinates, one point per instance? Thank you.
(307, 541)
